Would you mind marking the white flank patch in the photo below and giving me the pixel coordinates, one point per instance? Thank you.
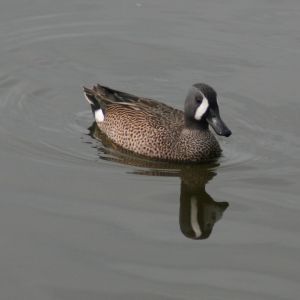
(99, 116)
(87, 99)
(201, 110)
(194, 218)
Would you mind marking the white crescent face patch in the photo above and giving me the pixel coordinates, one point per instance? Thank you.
(201, 110)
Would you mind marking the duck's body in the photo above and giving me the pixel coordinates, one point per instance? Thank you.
(151, 128)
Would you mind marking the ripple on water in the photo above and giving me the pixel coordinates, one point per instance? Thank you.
(38, 122)
(36, 119)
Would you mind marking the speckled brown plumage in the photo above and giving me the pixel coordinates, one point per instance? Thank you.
(150, 128)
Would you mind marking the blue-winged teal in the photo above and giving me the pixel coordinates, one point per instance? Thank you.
(156, 130)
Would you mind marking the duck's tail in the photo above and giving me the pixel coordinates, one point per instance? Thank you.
(91, 98)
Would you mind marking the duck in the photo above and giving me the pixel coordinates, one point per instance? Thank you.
(155, 130)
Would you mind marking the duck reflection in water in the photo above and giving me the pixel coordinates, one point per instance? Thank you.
(198, 210)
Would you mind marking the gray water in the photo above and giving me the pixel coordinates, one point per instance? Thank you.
(77, 221)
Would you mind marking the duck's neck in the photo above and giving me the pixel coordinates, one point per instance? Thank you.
(194, 124)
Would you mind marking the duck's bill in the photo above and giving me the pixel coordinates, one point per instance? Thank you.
(218, 125)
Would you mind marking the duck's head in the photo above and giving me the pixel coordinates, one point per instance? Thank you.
(201, 108)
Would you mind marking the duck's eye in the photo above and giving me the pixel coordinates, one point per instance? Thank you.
(199, 98)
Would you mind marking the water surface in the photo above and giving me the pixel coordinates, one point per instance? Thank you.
(78, 221)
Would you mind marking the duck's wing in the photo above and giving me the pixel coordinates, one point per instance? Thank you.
(104, 97)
